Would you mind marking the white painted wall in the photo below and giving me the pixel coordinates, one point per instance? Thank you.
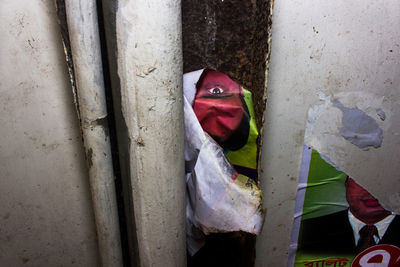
(349, 50)
(45, 212)
(345, 49)
(149, 53)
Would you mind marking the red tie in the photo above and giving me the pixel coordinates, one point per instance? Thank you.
(366, 237)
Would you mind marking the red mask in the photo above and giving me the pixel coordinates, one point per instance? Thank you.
(218, 105)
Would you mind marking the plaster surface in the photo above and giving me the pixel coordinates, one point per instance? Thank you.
(348, 50)
(46, 217)
(149, 54)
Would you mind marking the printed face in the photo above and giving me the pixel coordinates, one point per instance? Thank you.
(218, 105)
(362, 204)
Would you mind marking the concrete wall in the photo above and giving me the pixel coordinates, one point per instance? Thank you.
(149, 54)
(45, 212)
(350, 51)
(347, 50)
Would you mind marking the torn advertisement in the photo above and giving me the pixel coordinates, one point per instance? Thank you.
(359, 132)
(220, 155)
(357, 127)
(337, 222)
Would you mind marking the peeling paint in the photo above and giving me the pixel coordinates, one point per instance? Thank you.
(143, 71)
(103, 123)
(315, 112)
(100, 121)
(381, 114)
(359, 128)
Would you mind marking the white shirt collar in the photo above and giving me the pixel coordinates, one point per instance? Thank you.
(382, 226)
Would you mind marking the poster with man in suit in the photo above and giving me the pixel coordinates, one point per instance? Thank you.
(338, 222)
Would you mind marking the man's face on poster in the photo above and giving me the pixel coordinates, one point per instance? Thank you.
(219, 105)
(362, 204)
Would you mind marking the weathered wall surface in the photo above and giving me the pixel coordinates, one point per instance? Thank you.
(348, 51)
(149, 55)
(46, 217)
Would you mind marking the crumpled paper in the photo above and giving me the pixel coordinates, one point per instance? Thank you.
(218, 198)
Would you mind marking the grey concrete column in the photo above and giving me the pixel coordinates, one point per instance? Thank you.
(149, 52)
(91, 103)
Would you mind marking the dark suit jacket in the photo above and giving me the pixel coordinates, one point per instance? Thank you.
(332, 235)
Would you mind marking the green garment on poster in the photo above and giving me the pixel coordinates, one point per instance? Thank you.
(247, 155)
(325, 192)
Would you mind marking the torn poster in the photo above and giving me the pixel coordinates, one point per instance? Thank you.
(360, 133)
(339, 223)
(220, 155)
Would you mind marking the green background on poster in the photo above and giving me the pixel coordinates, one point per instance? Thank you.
(325, 192)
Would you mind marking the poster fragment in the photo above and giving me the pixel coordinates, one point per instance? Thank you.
(339, 223)
(220, 157)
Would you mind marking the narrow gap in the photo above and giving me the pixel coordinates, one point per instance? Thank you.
(62, 22)
(124, 186)
(113, 137)
(231, 37)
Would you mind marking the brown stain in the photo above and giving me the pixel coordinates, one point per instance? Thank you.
(89, 155)
(299, 136)
(50, 147)
(6, 216)
(293, 179)
(140, 142)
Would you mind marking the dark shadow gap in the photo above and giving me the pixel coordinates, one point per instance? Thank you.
(113, 136)
(231, 37)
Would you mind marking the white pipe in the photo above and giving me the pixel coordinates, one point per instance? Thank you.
(149, 53)
(86, 54)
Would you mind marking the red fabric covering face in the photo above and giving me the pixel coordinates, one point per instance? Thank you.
(217, 104)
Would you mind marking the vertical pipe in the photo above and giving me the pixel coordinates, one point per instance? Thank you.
(149, 55)
(86, 53)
